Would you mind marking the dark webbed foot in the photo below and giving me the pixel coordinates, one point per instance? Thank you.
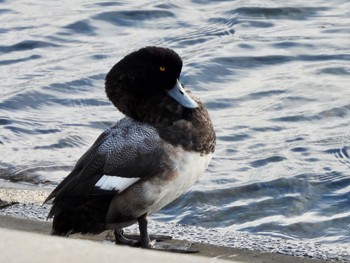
(120, 239)
(134, 240)
(159, 242)
(143, 240)
(158, 238)
(176, 246)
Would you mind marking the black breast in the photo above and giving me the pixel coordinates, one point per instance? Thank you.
(190, 128)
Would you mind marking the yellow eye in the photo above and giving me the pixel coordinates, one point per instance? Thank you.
(162, 68)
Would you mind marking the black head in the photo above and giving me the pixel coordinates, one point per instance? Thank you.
(147, 74)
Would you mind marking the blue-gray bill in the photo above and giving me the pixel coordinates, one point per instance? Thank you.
(179, 94)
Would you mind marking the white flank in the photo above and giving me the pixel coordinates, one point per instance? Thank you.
(189, 167)
(110, 182)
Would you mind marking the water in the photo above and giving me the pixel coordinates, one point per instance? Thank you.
(274, 75)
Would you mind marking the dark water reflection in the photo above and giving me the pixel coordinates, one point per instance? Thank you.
(274, 76)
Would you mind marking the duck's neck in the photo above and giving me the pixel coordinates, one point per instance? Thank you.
(191, 129)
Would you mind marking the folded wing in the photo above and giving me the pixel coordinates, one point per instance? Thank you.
(124, 154)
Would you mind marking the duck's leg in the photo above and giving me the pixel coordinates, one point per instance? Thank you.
(135, 240)
(182, 247)
(144, 240)
(144, 237)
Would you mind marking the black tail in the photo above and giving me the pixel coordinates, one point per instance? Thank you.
(86, 215)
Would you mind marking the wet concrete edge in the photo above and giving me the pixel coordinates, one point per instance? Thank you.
(207, 250)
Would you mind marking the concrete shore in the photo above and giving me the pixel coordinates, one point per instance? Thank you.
(31, 238)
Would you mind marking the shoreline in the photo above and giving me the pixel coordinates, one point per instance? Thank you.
(26, 214)
(42, 228)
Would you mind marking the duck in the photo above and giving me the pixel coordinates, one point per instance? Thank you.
(145, 160)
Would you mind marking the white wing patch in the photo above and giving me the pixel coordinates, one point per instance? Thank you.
(110, 182)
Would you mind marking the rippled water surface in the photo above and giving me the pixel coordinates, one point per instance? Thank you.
(274, 75)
